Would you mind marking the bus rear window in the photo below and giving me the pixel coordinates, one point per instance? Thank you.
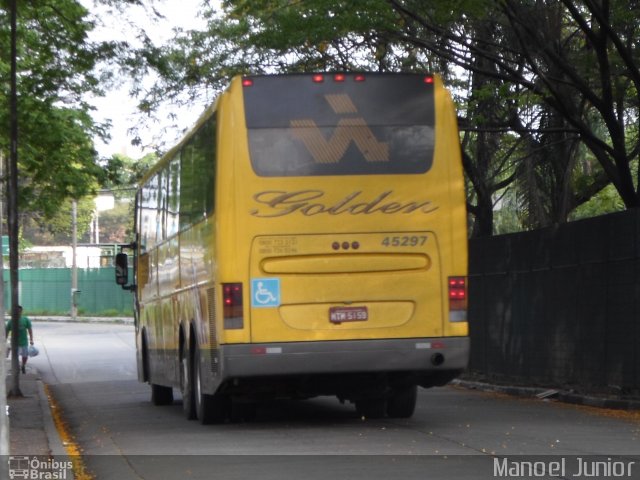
(308, 125)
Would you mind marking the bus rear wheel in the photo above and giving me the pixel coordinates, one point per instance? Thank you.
(402, 402)
(161, 395)
(186, 383)
(374, 407)
(209, 408)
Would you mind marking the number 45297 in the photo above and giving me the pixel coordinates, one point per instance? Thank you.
(405, 241)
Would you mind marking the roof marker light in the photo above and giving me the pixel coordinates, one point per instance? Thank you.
(428, 79)
(247, 82)
(318, 78)
(339, 77)
(359, 78)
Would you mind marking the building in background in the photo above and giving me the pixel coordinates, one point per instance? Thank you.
(105, 200)
(87, 256)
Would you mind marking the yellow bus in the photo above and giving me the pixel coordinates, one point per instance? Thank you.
(307, 237)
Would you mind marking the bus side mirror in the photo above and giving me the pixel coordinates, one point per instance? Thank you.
(122, 269)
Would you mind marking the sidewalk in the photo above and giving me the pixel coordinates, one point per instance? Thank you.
(32, 431)
(53, 318)
(31, 427)
(598, 401)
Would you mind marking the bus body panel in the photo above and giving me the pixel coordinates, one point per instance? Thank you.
(346, 286)
(331, 357)
(340, 273)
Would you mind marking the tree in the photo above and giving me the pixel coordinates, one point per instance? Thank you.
(580, 58)
(57, 68)
(122, 176)
(267, 36)
(56, 229)
(122, 171)
(487, 152)
(543, 78)
(47, 128)
(116, 225)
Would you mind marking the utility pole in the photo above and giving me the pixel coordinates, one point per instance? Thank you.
(14, 391)
(74, 264)
(4, 419)
(97, 228)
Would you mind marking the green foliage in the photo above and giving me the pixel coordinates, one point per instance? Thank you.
(123, 171)
(56, 228)
(544, 88)
(273, 36)
(122, 174)
(507, 220)
(56, 68)
(116, 225)
(606, 201)
(57, 159)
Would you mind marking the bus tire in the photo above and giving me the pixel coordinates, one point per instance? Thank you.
(161, 395)
(209, 408)
(374, 407)
(146, 376)
(243, 412)
(186, 384)
(402, 402)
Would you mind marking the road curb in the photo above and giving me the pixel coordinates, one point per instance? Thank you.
(117, 320)
(61, 444)
(599, 402)
(545, 393)
(56, 445)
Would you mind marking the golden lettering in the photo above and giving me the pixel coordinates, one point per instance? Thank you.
(278, 203)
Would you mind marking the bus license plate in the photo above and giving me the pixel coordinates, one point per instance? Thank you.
(348, 314)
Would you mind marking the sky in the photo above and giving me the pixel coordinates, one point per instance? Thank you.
(117, 106)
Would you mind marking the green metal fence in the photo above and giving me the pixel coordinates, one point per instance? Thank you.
(47, 291)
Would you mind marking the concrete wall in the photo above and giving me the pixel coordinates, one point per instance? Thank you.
(559, 306)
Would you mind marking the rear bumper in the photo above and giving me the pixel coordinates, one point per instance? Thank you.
(421, 355)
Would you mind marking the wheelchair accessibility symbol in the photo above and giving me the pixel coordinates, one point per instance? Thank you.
(265, 292)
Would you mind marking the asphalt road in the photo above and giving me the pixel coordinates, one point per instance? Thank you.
(455, 433)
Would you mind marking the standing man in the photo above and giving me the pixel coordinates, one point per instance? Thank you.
(24, 326)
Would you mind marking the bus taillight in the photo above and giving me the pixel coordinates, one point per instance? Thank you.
(457, 299)
(232, 311)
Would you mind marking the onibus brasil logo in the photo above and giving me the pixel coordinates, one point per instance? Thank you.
(39, 468)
